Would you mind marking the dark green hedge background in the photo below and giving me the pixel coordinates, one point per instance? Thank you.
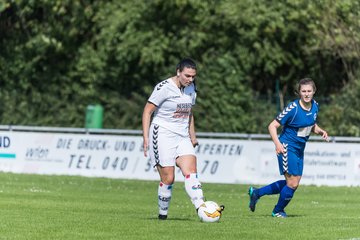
(58, 56)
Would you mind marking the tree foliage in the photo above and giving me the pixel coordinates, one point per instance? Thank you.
(57, 57)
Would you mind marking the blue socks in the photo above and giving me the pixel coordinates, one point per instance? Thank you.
(285, 197)
(273, 188)
(286, 194)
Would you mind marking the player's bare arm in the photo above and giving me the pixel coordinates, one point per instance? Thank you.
(319, 131)
(192, 132)
(146, 118)
(273, 126)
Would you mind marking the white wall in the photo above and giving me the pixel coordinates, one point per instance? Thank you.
(219, 160)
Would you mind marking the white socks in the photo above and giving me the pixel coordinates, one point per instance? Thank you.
(164, 197)
(194, 189)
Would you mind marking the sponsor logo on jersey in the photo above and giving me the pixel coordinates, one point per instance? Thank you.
(183, 110)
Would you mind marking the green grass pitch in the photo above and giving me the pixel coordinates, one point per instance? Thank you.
(69, 207)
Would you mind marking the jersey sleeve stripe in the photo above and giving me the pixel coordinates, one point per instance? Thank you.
(153, 103)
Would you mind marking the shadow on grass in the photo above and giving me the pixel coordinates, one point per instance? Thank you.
(170, 219)
(288, 216)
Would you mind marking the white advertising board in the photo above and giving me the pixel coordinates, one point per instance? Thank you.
(219, 160)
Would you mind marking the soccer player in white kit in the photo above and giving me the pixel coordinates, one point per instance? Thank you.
(170, 136)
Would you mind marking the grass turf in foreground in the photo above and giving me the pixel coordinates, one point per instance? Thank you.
(68, 207)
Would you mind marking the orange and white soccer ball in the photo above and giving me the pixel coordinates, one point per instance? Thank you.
(210, 211)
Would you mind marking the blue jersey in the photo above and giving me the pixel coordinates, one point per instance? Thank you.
(297, 123)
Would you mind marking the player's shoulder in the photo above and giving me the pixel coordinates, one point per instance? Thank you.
(190, 89)
(315, 105)
(291, 107)
(163, 85)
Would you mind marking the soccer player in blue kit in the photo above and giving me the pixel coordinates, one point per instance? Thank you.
(298, 120)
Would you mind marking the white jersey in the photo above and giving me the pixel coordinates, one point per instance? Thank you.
(173, 106)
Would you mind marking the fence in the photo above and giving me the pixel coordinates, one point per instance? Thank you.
(222, 157)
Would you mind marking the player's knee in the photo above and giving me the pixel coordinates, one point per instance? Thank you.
(293, 184)
(188, 171)
(168, 179)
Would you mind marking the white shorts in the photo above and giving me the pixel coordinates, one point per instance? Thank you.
(165, 146)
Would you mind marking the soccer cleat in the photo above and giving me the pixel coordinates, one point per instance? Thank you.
(253, 198)
(222, 207)
(162, 217)
(279, 214)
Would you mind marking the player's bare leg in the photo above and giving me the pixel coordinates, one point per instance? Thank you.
(187, 164)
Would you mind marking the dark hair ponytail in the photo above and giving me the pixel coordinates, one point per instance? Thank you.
(185, 63)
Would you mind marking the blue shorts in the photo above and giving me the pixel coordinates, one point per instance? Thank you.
(292, 160)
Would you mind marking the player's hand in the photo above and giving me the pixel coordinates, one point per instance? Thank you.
(194, 142)
(325, 135)
(145, 147)
(279, 148)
